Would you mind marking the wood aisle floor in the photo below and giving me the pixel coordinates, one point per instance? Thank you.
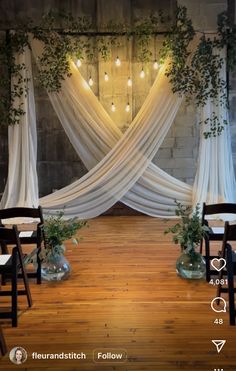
(123, 293)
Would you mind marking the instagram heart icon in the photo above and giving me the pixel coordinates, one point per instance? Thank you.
(218, 264)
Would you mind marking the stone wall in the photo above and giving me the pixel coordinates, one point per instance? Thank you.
(204, 12)
(58, 164)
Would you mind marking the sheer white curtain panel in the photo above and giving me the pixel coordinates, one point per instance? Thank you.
(22, 182)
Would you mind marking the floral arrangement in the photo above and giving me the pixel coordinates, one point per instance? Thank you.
(57, 230)
(189, 231)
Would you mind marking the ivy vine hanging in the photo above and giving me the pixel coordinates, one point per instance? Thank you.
(200, 78)
(196, 75)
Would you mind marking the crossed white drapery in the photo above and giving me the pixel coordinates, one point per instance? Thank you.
(125, 163)
(120, 164)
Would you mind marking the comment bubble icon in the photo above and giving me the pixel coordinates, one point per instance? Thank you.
(218, 304)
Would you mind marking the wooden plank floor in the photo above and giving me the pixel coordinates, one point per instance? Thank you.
(123, 293)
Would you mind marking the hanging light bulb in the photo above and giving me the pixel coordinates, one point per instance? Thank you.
(85, 85)
(118, 62)
(142, 74)
(78, 63)
(106, 77)
(127, 108)
(129, 82)
(90, 81)
(155, 65)
(113, 107)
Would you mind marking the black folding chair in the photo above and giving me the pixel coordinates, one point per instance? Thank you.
(12, 265)
(230, 270)
(213, 209)
(37, 238)
(3, 346)
(229, 288)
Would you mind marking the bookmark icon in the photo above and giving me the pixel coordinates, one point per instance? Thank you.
(219, 344)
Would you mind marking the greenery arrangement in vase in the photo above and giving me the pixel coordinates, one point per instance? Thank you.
(188, 232)
(55, 266)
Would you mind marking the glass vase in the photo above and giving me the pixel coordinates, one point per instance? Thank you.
(191, 265)
(55, 268)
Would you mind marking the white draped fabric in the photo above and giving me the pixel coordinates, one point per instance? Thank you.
(22, 183)
(215, 181)
(155, 191)
(119, 164)
(119, 170)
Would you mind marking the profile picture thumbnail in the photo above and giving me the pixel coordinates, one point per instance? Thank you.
(18, 355)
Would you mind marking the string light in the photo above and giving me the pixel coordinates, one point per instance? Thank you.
(106, 77)
(129, 82)
(142, 74)
(118, 62)
(155, 65)
(90, 81)
(127, 108)
(78, 63)
(113, 107)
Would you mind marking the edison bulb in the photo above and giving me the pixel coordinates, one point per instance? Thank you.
(127, 108)
(106, 77)
(118, 62)
(85, 85)
(113, 107)
(78, 63)
(155, 65)
(142, 74)
(90, 81)
(129, 82)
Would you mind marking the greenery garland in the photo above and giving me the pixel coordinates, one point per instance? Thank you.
(198, 78)
(14, 43)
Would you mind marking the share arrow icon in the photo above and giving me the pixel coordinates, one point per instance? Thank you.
(219, 344)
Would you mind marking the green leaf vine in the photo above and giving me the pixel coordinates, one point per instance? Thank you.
(194, 74)
(14, 43)
(197, 74)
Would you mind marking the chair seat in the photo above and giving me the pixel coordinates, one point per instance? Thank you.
(4, 260)
(33, 221)
(12, 266)
(5, 268)
(215, 236)
(29, 240)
